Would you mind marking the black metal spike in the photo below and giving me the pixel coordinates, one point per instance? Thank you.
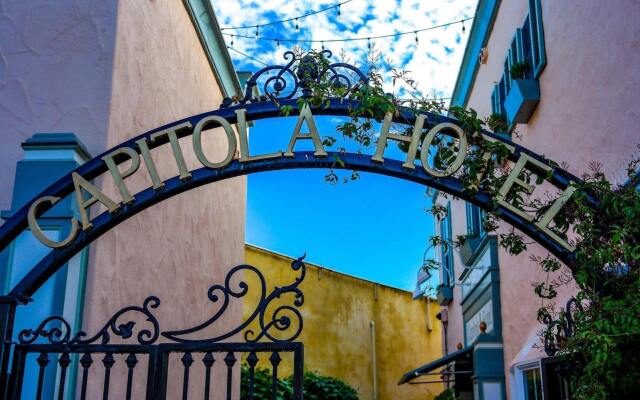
(230, 359)
(131, 360)
(86, 360)
(187, 359)
(64, 360)
(43, 359)
(252, 359)
(108, 360)
(275, 358)
(208, 360)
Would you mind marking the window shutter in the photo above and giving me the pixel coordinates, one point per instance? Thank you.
(539, 57)
(502, 94)
(525, 35)
(506, 77)
(514, 50)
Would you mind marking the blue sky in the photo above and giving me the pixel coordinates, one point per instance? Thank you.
(376, 227)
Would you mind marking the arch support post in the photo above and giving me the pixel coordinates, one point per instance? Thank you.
(8, 306)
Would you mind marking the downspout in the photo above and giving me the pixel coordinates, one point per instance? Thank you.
(429, 325)
(374, 366)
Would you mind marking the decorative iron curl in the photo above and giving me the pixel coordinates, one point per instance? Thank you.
(124, 330)
(283, 316)
(54, 334)
(303, 71)
(281, 319)
(563, 328)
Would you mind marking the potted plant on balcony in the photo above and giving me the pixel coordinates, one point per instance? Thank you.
(523, 96)
(497, 123)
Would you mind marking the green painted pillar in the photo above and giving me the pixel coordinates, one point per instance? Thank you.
(488, 368)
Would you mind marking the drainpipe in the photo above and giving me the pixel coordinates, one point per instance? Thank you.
(374, 366)
(429, 326)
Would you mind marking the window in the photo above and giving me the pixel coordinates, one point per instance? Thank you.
(475, 216)
(447, 277)
(532, 379)
(536, 38)
(527, 44)
(555, 384)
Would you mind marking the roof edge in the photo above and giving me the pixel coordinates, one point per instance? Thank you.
(206, 24)
(481, 28)
(264, 250)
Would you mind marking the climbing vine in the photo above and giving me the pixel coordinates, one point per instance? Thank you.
(597, 334)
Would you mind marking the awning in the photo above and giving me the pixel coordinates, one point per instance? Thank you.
(464, 354)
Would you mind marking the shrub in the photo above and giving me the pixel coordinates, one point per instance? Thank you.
(262, 385)
(447, 394)
(316, 387)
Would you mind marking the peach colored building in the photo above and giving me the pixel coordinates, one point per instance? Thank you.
(77, 78)
(577, 104)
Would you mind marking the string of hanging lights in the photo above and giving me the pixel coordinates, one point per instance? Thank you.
(400, 100)
(415, 32)
(258, 26)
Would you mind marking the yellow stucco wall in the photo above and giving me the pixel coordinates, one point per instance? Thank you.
(338, 312)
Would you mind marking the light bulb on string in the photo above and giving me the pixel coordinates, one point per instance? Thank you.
(339, 13)
(297, 27)
(463, 28)
(369, 43)
(232, 40)
(257, 27)
(322, 45)
(416, 33)
(277, 44)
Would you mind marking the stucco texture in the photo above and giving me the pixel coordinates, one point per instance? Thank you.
(588, 112)
(178, 248)
(338, 311)
(56, 60)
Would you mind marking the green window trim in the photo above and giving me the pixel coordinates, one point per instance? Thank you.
(446, 251)
(527, 44)
(475, 218)
(539, 56)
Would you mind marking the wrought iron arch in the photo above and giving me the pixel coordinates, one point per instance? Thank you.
(303, 75)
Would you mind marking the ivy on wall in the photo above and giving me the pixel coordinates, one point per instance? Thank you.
(598, 338)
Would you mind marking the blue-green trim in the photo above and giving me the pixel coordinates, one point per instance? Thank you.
(488, 366)
(56, 141)
(47, 157)
(478, 36)
(206, 24)
(487, 288)
(539, 66)
(478, 249)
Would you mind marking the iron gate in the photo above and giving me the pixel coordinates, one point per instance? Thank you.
(51, 344)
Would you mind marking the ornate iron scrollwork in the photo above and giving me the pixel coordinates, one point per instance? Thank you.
(562, 329)
(125, 330)
(281, 319)
(286, 319)
(297, 78)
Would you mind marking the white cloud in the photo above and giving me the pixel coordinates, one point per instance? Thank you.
(433, 61)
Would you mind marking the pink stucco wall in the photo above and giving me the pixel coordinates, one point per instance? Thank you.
(588, 112)
(56, 60)
(108, 71)
(182, 246)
